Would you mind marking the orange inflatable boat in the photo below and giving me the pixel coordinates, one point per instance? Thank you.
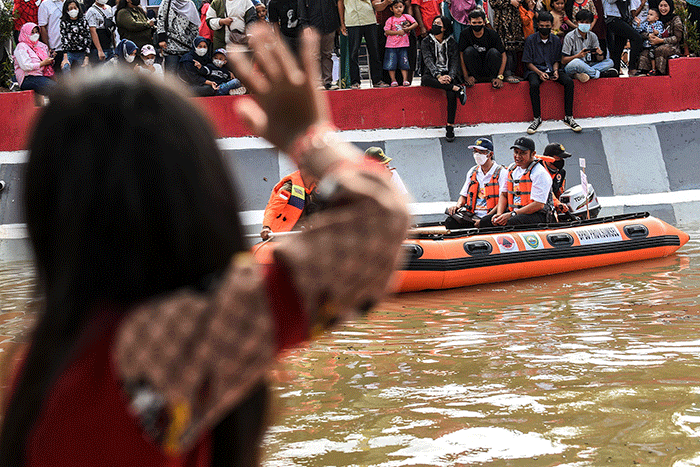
(439, 259)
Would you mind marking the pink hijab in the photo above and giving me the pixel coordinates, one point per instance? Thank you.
(38, 47)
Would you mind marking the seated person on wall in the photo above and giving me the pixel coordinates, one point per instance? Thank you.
(377, 154)
(553, 158)
(291, 200)
(527, 198)
(581, 54)
(482, 54)
(481, 191)
(542, 57)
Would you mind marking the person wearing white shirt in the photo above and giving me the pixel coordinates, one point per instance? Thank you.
(481, 191)
(528, 195)
(49, 21)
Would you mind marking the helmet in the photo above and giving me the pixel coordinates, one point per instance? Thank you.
(576, 200)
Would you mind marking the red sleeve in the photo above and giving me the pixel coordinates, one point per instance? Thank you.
(291, 322)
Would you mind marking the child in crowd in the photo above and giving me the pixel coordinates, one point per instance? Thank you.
(75, 36)
(261, 11)
(653, 27)
(217, 72)
(562, 24)
(150, 67)
(527, 15)
(396, 30)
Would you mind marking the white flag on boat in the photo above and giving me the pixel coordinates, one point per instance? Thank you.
(584, 179)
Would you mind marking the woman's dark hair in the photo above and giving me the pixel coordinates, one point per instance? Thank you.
(585, 15)
(545, 16)
(477, 13)
(569, 8)
(68, 3)
(446, 25)
(138, 204)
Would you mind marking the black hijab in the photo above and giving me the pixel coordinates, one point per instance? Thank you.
(667, 18)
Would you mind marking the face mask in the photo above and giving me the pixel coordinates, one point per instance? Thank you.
(200, 51)
(34, 37)
(436, 29)
(149, 62)
(73, 13)
(129, 58)
(584, 28)
(480, 159)
(558, 164)
(100, 2)
(219, 63)
(477, 28)
(545, 31)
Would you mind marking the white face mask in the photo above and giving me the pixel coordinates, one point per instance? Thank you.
(480, 159)
(219, 63)
(100, 2)
(201, 51)
(73, 13)
(129, 58)
(149, 62)
(34, 37)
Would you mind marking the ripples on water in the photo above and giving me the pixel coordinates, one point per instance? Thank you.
(585, 369)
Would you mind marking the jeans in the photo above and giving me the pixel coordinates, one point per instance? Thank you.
(94, 59)
(39, 84)
(75, 59)
(565, 80)
(479, 67)
(396, 56)
(227, 86)
(355, 35)
(618, 34)
(593, 70)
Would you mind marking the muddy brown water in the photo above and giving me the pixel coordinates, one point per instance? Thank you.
(592, 368)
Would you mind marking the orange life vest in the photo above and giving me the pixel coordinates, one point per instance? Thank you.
(285, 208)
(524, 186)
(491, 190)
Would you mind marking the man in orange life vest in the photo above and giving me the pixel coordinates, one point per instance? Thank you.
(528, 195)
(480, 194)
(291, 200)
(553, 157)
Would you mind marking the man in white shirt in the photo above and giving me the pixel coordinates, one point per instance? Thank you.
(49, 22)
(481, 191)
(527, 198)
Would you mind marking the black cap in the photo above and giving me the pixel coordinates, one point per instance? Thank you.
(556, 149)
(524, 144)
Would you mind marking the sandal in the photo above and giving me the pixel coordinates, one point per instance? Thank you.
(512, 79)
(406, 83)
(394, 84)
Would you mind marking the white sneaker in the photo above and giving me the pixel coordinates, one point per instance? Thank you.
(583, 77)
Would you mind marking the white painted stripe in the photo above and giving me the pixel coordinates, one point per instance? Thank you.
(13, 157)
(251, 218)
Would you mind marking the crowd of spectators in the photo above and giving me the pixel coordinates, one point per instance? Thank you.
(450, 44)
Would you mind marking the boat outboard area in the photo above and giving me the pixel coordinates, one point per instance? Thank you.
(438, 258)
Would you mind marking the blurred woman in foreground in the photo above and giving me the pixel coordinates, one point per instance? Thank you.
(157, 328)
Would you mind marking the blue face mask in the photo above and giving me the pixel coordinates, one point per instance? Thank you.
(584, 28)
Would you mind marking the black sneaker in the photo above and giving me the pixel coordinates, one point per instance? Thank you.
(462, 94)
(449, 133)
(611, 73)
(572, 124)
(534, 125)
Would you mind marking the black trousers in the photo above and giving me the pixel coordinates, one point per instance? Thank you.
(482, 67)
(355, 35)
(565, 80)
(427, 80)
(539, 217)
(619, 33)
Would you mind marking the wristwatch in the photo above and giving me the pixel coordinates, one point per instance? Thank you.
(501, 77)
(513, 214)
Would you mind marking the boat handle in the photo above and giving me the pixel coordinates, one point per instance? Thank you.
(478, 248)
(636, 231)
(413, 251)
(563, 239)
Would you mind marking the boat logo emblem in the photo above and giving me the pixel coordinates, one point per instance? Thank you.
(531, 241)
(506, 243)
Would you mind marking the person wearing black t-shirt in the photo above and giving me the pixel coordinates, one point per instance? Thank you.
(283, 14)
(482, 53)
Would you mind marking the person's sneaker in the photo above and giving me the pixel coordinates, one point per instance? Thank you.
(462, 94)
(449, 133)
(572, 124)
(239, 91)
(331, 86)
(583, 77)
(534, 126)
(611, 73)
(380, 84)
